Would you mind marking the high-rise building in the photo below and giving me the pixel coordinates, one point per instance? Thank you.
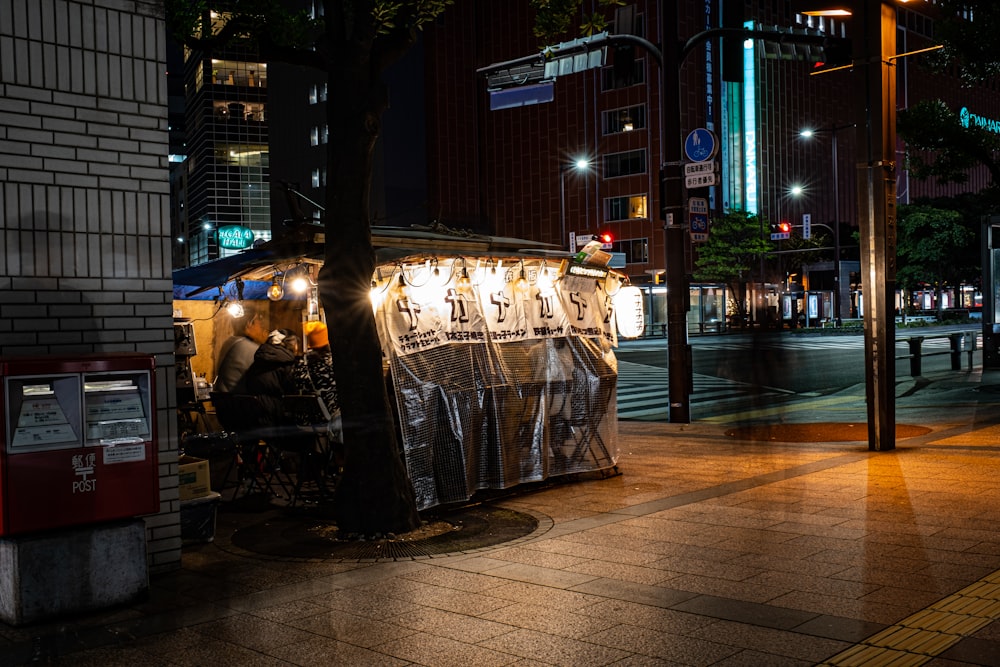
(221, 189)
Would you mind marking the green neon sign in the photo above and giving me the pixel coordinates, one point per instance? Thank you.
(235, 237)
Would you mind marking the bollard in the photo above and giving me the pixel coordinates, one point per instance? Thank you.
(956, 350)
(914, 344)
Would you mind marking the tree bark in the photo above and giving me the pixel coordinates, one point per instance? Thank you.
(375, 494)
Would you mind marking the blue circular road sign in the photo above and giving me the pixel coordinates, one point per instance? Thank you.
(700, 145)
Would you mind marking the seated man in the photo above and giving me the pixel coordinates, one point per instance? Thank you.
(237, 353)
(270, 375)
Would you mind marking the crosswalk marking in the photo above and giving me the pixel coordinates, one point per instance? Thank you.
(643, 391)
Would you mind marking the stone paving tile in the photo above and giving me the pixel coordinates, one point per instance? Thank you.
(352, 629)
(557, 622)
(321, 651)
(469, 582)
(640, 575)
(460, 602)
(251, 632)
(657, 596)
(215, 652)
(544, 596)
(106, 656)
(448, 624)
(757, 659)
(808, 582)
(644, 661)
(472, 563)
(542, 575)
(529, 556)
(833, 605)
(289, 610)
(647, 616)
(771, 641)
(435, 651)
(362, 602)
(890, 575)
(581, 547)
(707, 568)
(678, 648)
(736, 590)
(555, 650)
(762, 562)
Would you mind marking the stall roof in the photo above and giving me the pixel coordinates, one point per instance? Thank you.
(305, 244)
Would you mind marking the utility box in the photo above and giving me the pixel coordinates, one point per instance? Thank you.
(78, 442)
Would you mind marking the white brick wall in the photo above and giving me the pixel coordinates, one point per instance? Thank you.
(84, 212)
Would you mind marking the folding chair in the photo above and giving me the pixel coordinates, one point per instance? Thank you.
(307, 436)
(254, 460)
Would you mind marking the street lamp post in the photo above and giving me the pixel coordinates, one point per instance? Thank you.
(580, 165)
(836, 215)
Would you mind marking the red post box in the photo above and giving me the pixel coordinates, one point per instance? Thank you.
(78, 441)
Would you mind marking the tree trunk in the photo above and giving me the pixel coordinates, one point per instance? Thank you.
(375, 494)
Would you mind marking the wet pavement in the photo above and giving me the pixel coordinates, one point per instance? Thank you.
(713, 546)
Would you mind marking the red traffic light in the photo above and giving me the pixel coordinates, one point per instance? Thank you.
(784, 227)
(606, 238)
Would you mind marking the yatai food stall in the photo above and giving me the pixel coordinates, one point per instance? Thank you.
(500, 353)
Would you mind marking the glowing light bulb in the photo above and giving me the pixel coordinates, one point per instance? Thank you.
(275, 291)
(235, 308)
(300, 285)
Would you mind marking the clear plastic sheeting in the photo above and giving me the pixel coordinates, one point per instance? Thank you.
(482, 414)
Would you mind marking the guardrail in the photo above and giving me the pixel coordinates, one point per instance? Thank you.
(960, 341)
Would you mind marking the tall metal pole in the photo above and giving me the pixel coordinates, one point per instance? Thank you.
(563, 240)
(836, 232)
(678, 350)
(875, 45)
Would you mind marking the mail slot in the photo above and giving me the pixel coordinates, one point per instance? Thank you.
(78, 441)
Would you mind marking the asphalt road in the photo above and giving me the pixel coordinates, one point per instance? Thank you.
(733, 371)
(800, 363)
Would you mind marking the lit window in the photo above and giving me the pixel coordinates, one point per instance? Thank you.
(624, 120)
(625, 208)
(322, 93)
(313, 94)
(314, 137)
(324, 135)
(315, 178)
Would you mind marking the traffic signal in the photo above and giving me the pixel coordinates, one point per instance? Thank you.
(780, 230)
(836, 52)
(606, 239)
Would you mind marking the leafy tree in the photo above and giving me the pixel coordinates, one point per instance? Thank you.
(734, 247)
(928, 241)
(972, 46)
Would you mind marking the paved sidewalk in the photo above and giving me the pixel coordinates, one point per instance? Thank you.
(705, 550)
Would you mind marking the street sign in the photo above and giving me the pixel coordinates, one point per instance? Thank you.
(699, 180)
(700, 145)
(692, 168)
(698, 218)
(806, 225)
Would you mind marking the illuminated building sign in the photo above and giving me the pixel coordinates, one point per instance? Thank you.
(750, 121)
(968, 118)
(235, 237)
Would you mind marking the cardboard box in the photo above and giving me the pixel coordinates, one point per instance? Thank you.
(193, 478)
